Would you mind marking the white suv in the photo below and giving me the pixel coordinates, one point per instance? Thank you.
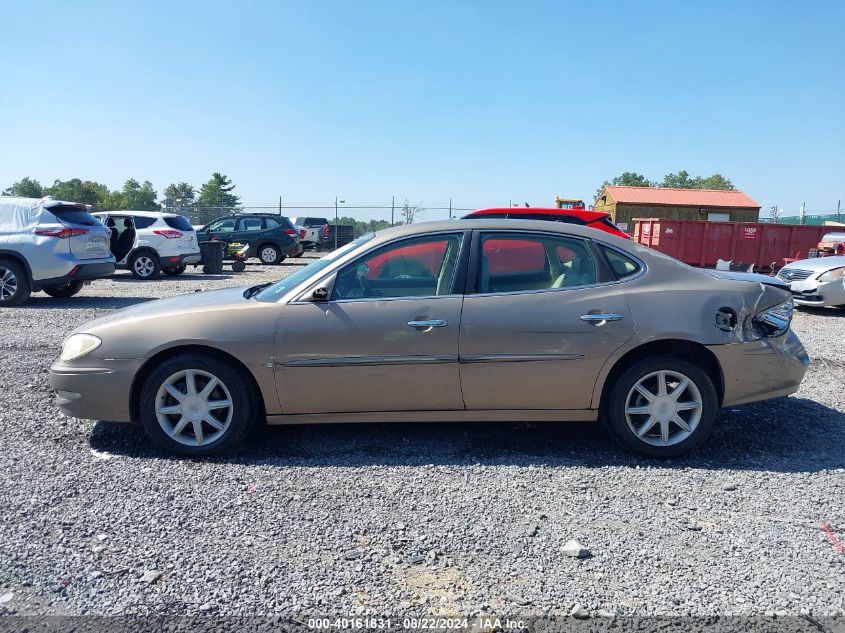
(151, 242)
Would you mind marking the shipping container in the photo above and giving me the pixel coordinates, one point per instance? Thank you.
(700, 243)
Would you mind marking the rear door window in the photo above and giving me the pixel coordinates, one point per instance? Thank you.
(143, 222)
(250, 224)
(520, 262)
(179, 222)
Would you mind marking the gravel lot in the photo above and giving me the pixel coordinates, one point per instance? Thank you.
(426, 519)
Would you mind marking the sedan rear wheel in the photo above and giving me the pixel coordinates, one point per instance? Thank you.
(196, 405)
(662, 407)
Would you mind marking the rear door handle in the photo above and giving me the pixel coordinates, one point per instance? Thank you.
(428, 324)
(601, 319)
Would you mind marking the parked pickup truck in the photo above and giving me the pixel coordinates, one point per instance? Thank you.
(312, 231)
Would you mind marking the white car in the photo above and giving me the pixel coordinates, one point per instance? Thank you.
(150, 242)
(819, 281)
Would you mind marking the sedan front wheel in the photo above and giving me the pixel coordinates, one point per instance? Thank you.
(661, 407)
(196, 405)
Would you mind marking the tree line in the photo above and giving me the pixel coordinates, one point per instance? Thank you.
(217, 191)
(681, 180)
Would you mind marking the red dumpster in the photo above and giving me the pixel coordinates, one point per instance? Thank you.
(702, 243)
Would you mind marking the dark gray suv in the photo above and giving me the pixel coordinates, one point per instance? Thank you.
(49, 245)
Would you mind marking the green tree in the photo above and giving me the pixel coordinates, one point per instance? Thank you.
(363, 226)
(681, 180)
(76, 190)
(627, 179)
(26, 187)
(716, 181)
(180, 195)
(217, 192)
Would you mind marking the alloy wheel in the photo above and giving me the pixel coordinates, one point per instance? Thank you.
(268, 255)
(663, 408)
(194, 407)
(144, 266)
(8, 284)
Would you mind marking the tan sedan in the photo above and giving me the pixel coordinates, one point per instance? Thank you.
(471, 320)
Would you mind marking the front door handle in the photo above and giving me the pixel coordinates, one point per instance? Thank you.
(601, 319)
(427, 324)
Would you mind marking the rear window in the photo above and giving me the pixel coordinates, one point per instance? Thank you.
(179, 222)
(311, 222)
(621, 265)
(143, 222)
(74, 215)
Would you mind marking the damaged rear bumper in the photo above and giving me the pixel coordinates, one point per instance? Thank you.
(761, 369)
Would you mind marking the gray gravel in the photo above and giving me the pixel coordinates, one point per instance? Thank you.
(421, 518)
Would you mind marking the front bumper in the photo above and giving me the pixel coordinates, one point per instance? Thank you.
(762, 369)
(94, 389)
(812, 293)
(80, 272)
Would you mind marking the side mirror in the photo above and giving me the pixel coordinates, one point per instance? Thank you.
(321, 294)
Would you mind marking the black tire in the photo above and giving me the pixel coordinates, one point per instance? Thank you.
(63, 292)
(239, 389)
(145, 265)
(14, 283)
(270, 254)
(173, 272)
(616, 402)
(238, 266)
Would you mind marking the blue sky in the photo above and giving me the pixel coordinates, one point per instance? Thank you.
(483, 102)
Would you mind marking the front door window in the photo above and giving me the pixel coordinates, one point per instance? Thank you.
(421, 267)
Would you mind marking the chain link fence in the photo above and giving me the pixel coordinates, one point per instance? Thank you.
(367, 217)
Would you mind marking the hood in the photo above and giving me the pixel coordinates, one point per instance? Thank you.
(817, 264)
(218, 300)
(751, 277)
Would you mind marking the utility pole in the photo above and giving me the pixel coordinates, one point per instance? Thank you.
(221, 205)
(838, 216)
(802, 213)
(335, 222)
(450, 208)
(774, 213)
(392, 209)
(280, 205)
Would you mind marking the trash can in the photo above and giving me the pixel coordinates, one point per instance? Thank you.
(212, 256)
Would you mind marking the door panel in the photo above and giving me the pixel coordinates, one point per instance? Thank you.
(355, 356)
(533, 351)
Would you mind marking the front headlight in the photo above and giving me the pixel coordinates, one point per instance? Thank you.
(78, 345)
(775, 320)
(833, 275)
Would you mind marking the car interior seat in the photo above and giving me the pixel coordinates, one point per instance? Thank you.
(580, 273)
(113, 234)
(125, 241)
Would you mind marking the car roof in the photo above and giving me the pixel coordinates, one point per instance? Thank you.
(142, 214)
(584, 214)
(46, 202)
(498, 224)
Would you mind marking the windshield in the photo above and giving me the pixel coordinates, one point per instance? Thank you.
(273, 293)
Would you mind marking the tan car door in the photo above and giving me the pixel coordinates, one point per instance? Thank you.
(540, 322)
(387, 340)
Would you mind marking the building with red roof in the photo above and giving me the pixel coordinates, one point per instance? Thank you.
(626, 203)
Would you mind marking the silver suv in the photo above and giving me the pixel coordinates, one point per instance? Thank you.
(49, 245)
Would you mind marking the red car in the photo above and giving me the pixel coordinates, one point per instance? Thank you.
(593, 219)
